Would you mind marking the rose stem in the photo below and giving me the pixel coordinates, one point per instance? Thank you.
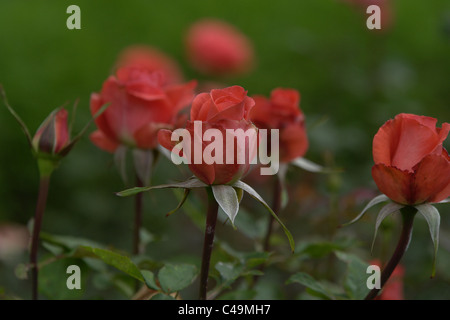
(137, 219)
(39, 214)
(408, 214)
(208, 243)
(276, 206)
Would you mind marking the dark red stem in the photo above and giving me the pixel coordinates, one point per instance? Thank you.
(39, 214)
(408, 214)
(208, 243)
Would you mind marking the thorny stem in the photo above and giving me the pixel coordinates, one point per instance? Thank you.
(39, 214)
(408, 214)
(208, 243)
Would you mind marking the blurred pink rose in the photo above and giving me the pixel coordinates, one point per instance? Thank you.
(216, 47)
(152, 59)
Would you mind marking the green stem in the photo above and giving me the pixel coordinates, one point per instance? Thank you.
(137, 219)
(276, 207)
(408, 214)
(208, 243)
(38, 217)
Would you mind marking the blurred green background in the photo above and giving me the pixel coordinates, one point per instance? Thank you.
(351, 81)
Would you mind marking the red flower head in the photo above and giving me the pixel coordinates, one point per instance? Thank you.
(140, 104)
(216, 47)
(222, 110)
(52, 135)
(282, 112)
(152, 60)
(411, 165)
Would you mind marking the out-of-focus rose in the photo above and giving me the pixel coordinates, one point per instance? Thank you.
(282, 112)
(13, 240)
(222, 110)
(53, 134)
(411, 165)
(152, 59)
(139, 105)
(393, 289)
(216, 47)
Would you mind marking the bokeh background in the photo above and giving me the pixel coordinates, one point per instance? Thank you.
(351, 81)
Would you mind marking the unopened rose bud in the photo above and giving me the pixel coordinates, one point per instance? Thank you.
(53, 135)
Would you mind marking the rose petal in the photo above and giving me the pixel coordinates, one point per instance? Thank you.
(432, 179)
(393, 182)
(404, 141)
(103, 142)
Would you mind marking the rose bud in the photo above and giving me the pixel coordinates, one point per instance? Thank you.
(216, 47)
(52, 135)
(151, 59)
(411, 165)
(140, 103)
(282, 112)
(222, 110)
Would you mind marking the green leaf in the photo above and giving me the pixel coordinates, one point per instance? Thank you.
(316, 286)
(53, 280)
(227, 199)
(254, 259)
(180, 204)
(238, 295)
(373, 202)
(149, 278)
(431, 214)
(307, 165)
(320, 249)
(68, 243)
(239, 193)
(162, 296)
(229, 271)
(176, 277)
(356, 276)
(386, 211)
(16, 116)
(310, 166)
(76, 138)
(120, 262)
(188, 184)
(255, 195)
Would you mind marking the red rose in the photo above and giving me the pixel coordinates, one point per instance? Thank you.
(411, 165)
(140, 104)
(282, 112)
(216, 47)
(221, 109)
(53, 134)
(151, 59)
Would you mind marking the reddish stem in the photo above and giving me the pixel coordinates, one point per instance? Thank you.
(408, 214)
(38, 217)
(208, 243)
